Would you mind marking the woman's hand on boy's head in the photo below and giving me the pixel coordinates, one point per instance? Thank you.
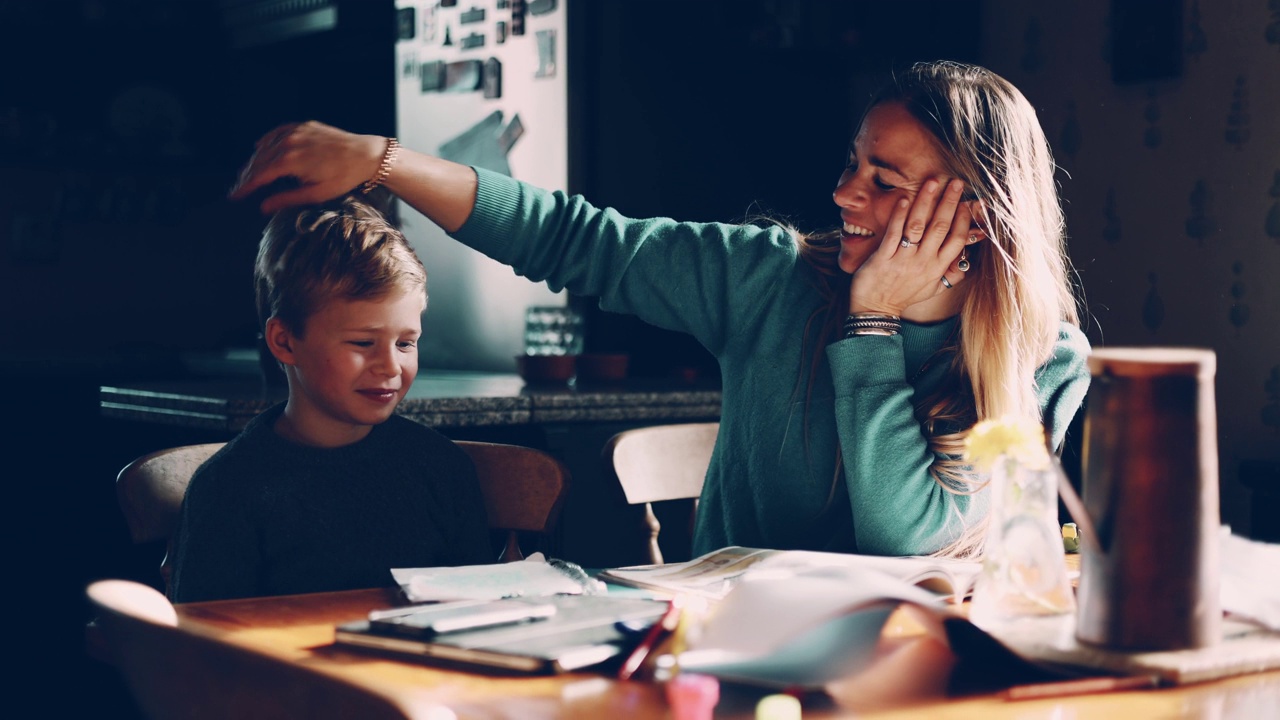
(324, 161)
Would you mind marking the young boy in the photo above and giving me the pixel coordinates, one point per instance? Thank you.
(330, 490)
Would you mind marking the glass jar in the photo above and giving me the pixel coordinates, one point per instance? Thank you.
(553, 331)
(1024, 570)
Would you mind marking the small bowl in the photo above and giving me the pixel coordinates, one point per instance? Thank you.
(546, 369)
(603, 367)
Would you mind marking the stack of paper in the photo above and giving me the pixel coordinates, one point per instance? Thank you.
(1250, 581)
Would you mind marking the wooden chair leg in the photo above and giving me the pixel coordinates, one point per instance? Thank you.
(511, 552)
(651, 521)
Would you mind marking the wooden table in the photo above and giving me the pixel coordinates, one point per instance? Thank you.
(908, 681)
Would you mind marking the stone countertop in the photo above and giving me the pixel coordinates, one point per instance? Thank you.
(438, 398)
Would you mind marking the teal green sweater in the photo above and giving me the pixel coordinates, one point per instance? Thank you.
(745, 294)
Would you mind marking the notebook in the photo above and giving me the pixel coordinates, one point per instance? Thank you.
(583, 630)
(713, 575)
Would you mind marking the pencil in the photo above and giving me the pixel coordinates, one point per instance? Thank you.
(659, 631)
(1085, 686)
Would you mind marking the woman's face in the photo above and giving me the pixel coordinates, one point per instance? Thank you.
(890, 158)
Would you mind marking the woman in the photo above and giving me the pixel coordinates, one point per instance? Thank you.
(853, 362)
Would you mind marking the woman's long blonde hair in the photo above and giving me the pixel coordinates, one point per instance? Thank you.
(1019, 289)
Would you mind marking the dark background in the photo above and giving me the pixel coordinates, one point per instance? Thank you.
(123, 123)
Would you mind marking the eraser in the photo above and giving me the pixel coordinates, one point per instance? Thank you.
(778, 707)
(1070, 537)
(692, 696)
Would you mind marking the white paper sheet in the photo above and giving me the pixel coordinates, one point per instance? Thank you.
(1250, 578)
(531, 577)
(802, 628)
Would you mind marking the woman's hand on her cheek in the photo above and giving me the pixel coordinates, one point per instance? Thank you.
(919, 248)
(325, 163)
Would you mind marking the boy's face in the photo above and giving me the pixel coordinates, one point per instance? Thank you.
(353, 365)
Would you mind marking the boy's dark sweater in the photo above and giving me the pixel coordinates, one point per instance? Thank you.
(265, 516)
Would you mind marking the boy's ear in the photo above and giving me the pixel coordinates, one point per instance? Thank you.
(279, 341)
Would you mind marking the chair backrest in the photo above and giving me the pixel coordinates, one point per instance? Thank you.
(523, 488)
(174, 672)
(150, 491)
(663, 462)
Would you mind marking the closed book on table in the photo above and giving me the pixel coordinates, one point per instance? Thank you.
(583, 630)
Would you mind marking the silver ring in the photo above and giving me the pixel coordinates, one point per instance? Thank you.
(907, 243)
(946, 283)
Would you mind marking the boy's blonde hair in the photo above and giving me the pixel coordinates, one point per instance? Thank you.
(342, 249)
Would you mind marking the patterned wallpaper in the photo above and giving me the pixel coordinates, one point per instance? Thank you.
(1172, 192)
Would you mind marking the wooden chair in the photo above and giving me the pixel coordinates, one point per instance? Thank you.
(524, 489)
(663, 462)
(150, 491)
(177, 673)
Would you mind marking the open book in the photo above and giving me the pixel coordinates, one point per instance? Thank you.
(813, 626)
(802, 627)
(714, 574)
(809, 619)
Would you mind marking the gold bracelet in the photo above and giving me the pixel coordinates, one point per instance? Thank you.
(384, 168)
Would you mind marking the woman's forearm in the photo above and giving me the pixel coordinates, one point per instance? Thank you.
(442, 190)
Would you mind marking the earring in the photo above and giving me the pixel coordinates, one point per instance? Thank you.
(963, 265)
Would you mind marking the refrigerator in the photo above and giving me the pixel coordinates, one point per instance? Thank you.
(482, 82)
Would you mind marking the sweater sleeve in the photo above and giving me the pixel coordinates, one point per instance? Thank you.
(1063, 382)
(686, 277)
(898, 508)
(216, 553)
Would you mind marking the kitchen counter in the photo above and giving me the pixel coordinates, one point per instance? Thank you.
(445, 399)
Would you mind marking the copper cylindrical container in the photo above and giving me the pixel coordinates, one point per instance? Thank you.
(1150, 482)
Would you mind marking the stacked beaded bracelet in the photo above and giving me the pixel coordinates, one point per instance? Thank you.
(384, 168)
(871, 324)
